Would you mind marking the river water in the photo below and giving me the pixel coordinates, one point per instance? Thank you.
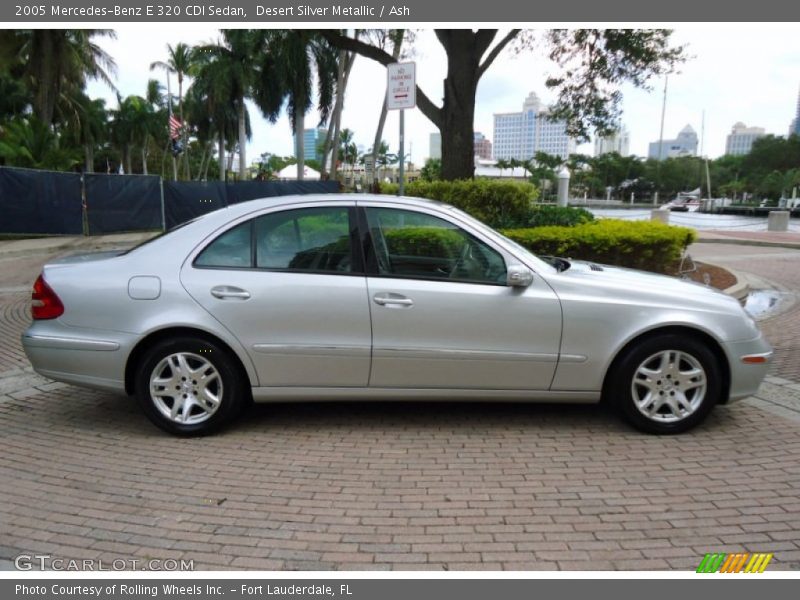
(694, 220)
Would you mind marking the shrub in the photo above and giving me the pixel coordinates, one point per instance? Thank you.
(547, 214)
(496, 203)
(423, 241)
(638, 244)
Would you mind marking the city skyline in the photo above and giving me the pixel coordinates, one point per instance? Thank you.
(733, 77)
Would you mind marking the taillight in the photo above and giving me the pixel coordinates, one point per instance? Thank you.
(44, 302)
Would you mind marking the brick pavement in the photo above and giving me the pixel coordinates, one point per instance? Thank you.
(781, 266)
(83, 474)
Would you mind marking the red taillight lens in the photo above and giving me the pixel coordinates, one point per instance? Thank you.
(44, 302)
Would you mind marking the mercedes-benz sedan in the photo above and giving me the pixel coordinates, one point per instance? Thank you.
(376, 297)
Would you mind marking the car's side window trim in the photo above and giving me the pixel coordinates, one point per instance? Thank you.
(370, 251)
(356, 249)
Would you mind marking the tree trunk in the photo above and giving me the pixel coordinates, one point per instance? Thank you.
(208, 164)
(299, 126)
(88, 151)
(398, 44)
(464, 49)
(330, 139)
(460, 87)
(202, 161)
(48, 82)
(340, 95)
(242, 141)
(222, 156)
(144, 160)
(184, 133)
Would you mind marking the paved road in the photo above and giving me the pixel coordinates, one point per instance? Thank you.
(382, 486)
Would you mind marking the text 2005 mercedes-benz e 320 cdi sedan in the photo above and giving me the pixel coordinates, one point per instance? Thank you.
(371, 297)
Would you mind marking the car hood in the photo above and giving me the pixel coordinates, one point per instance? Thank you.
(641, 285)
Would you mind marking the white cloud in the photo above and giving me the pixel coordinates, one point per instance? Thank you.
(738, 72)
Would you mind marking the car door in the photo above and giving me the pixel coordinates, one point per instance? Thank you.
(290, 285)
(443, 315)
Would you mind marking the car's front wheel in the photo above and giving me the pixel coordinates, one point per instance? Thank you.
(189, 386)
(666, 384)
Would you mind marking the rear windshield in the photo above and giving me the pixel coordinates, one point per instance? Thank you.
(158, 236)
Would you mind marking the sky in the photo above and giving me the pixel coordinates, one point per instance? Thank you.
(735, 72)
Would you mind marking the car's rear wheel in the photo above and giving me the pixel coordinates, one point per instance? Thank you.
(666, 384)
(189, 386)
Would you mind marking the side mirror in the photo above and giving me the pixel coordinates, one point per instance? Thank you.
(519, 276)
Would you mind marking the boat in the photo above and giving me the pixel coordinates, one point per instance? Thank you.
(685, 202)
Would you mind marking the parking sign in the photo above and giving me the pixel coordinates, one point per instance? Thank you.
(401, 91)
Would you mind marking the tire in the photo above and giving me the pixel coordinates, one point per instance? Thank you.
(189, 386)
(665, 384)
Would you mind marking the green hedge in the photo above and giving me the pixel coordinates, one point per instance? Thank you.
(496, 203)
(638, 244)
(424, 241)
(547, 214)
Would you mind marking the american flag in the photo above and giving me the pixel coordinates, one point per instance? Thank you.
(174, 127)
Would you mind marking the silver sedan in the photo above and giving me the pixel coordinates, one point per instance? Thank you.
(376, 297)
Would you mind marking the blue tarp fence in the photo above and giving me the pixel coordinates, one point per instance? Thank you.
(53, 203)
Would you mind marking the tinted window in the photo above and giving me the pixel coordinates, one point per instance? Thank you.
(416, 245)
(231, 249)
(308, 239)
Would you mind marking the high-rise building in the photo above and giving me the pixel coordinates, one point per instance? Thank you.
(520, 135)
(740, 139)
(435, 145)
(794, 128)
(618, 141)
(312, 139)
(683, 145)
(483, 147)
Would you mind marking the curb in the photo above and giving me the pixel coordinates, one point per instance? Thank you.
(744, 242)
(738, 290)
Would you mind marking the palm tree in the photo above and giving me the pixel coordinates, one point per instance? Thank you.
(210, 109)
(31, 143)
(232, 60)
(384, 158)
(290, 61)
(130, 127)
(502, 164)
(180, 62)
(348, 148)
(56, 63)
(89, 127)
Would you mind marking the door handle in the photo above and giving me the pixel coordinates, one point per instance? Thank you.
(224, 292)
(392, 300)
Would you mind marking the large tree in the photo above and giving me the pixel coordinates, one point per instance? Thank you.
(55, 64)
(592, 63)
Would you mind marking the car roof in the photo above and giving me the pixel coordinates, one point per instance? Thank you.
(242, 208)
